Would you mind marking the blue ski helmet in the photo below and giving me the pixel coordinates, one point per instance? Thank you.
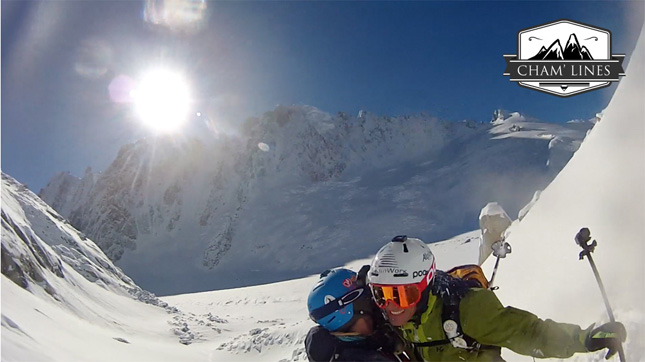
(336, 301)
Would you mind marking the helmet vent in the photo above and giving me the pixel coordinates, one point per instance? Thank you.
(388, 259)
(405, 248)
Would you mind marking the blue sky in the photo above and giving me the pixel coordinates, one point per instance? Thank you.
(442, 58)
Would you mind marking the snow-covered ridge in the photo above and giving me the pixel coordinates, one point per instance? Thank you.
(38, 244)
(56, 279)
(564, 139)
(211, 211)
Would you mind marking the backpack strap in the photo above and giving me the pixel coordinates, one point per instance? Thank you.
(452, 327)
(451, 290)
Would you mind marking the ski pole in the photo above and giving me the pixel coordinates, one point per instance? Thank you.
(582, 238)
(492, 278)
(500, 249)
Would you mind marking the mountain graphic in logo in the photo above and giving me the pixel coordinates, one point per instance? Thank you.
(572, 51)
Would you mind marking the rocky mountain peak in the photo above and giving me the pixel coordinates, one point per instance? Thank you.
(207, 210)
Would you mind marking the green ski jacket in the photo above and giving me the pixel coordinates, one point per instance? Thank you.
(485, 319)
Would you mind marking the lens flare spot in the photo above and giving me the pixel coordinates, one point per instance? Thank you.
(177, 15)
(264, 147)
(121, 88)
(162, 100)
(93, 58)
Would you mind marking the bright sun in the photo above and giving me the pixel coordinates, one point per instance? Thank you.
(162, 100)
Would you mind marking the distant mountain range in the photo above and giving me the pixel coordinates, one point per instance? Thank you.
(300, 190)
(572, 51)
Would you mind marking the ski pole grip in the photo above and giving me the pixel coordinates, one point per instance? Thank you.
(583, 236)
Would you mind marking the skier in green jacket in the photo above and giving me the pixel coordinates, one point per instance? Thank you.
(445, 319)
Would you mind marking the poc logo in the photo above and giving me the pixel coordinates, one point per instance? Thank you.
(419, 273)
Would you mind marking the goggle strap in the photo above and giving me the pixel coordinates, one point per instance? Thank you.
(335, 305)
(343, 334)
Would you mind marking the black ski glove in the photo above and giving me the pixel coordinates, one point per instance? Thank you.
(609, 335)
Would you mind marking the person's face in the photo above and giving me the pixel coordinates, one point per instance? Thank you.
(363, 326)
(398, 316)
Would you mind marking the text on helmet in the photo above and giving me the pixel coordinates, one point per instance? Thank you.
(419, 273)
(390, 271)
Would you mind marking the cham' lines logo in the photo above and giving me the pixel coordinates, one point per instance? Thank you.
(583, 64)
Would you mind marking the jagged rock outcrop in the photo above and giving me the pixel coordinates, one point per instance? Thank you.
(282, 198)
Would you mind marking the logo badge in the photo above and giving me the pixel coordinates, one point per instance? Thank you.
(564, 58)
(329, 298)
(419, 273)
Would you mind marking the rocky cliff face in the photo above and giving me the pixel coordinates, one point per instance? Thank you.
(300, 190)
(42, 251)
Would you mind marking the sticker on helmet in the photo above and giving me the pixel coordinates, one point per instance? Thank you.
(391, 271)
(419, 273)
(430, 275)
(329, 299)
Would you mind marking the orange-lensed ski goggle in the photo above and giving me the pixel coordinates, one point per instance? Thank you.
(405, 296)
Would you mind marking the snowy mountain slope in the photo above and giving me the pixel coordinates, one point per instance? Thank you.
(37, 241)
(287, 197)
(564, 140)
(601, 188)
(62, 297)
(89, 323)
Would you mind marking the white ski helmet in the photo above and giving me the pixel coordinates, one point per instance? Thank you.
(403, 261)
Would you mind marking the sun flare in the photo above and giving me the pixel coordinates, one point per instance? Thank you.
(162, 100)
